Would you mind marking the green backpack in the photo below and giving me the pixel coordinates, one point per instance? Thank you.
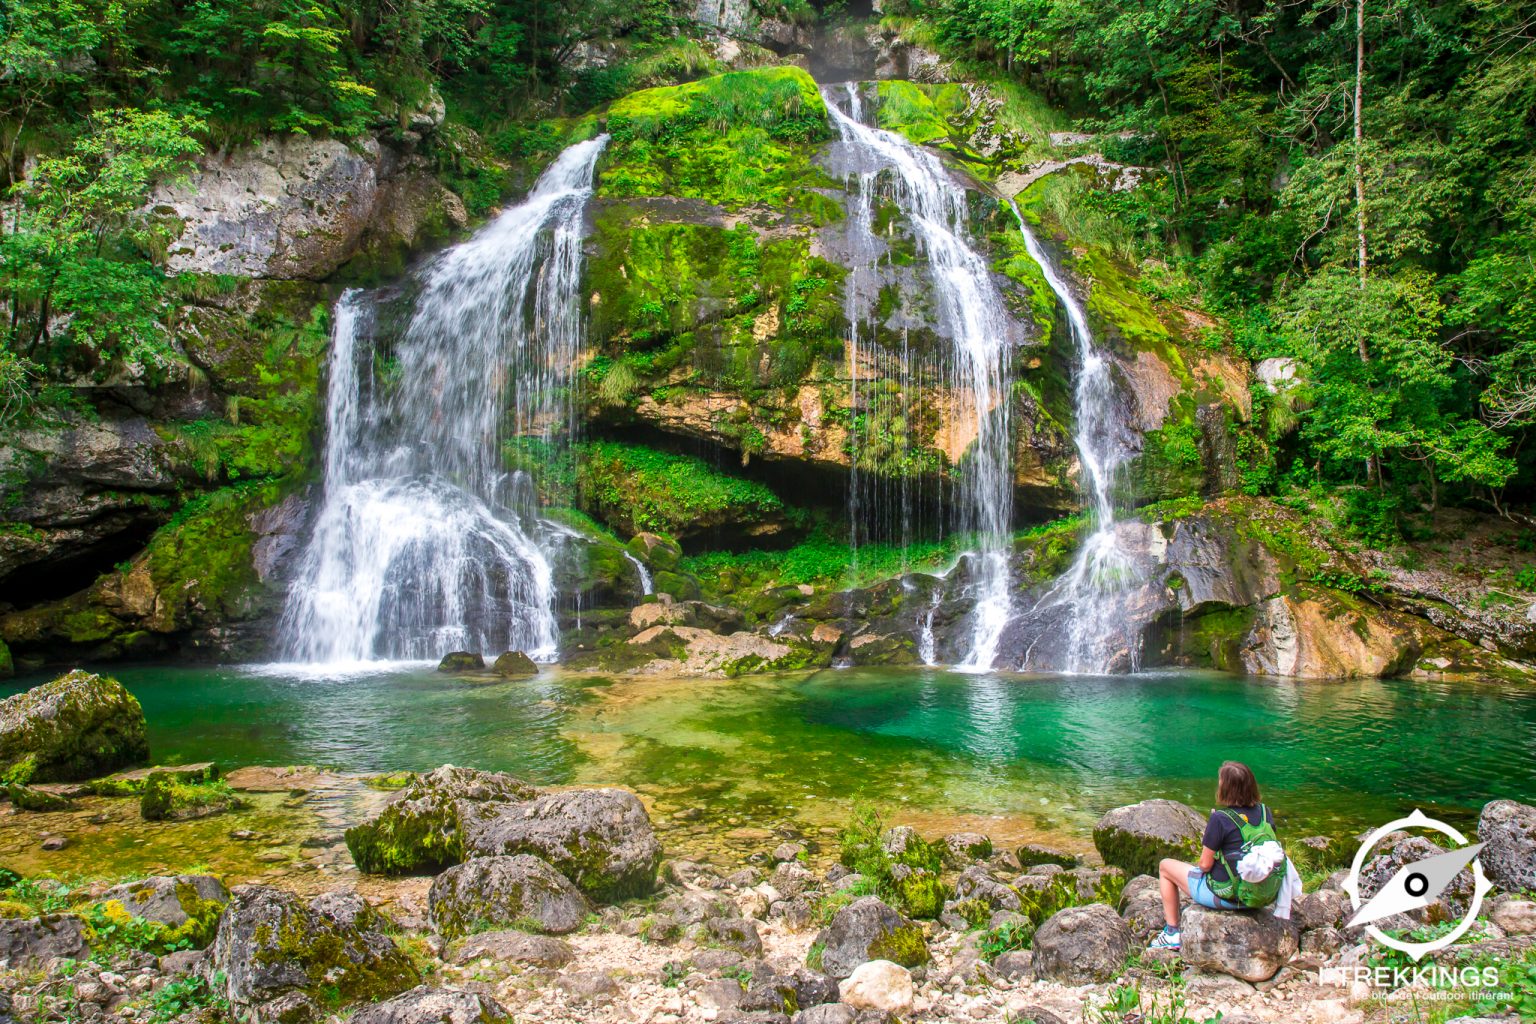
(1237, 889)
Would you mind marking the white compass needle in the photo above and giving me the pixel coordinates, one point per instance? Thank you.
(1415, 885)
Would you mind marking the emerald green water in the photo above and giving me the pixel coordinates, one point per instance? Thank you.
(1021, 757)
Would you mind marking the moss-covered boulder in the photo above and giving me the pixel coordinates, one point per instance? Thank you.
(167, 797)
(601, 839)
(1137, 836)
(868, 929)
(521, 891)
(185, 907)
(657, 550)
(277, 957)
(78, 726)
(420, 831)
(515, 665)
(461, 661)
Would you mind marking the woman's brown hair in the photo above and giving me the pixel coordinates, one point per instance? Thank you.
(1236, 786)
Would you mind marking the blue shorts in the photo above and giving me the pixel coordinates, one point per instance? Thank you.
(1200, 892)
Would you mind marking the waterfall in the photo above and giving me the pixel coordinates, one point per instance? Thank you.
(424, 542)
(647, 584)
(971, 314)
(1101, 573)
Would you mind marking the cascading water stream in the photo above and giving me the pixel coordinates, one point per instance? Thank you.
(425, 543)
(1101, 572)
(971, 314)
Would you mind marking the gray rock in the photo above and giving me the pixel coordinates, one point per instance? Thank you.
(1015, 965)
(427, 1005)
(1251, 945)
(1514, 917)
(271, 945)
(736, 933)
(515, 947)
(792, 878)
(1081, 945)
(34, 941)
(1389, 856)
(1509, 829)
(828, 1013)
(691, 908)
(721, 994)
(601, 839)
(962, 848)
(867, 929)
(1322, 941)
(1138, 836)
(505, 891)
(1032, 855)
(515, 665)
(183, 961)
(174, 900)
(784, 853)
(291, 206)
(1141, 907)
(76, 727)
(1326, 908)
(796, 914)
(977, 883)
(421, 829)
(588, 987)
(1037, 1015)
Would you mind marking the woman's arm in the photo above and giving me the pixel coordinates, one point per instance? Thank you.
(1207, 858)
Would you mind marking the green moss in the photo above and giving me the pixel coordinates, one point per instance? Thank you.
(733, 139)
(167, 798)
(908, 109)
(922, 894)
(1139, 855)
(903, 945)
(26, 798)
(323, 955)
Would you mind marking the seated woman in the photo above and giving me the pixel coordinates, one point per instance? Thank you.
(1237, 798)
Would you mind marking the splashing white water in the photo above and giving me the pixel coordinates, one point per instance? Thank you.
(647, 585)
(1101, 574)
(971, 314)
(425, 543)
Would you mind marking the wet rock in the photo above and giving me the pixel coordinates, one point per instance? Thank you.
(461, 661)
(515, 665)
(1509, 829)
(188, 904)
(867, 929)
(601, 839)
(515, 947)
(54, 843)
(421, 828)
(1251, 945)
(427, 1005)
(505, 891)
(1138, 836)
(1031, 855)
(878, 985)
(37, 940)
(273, 947)
(1080, 945)
(76, 727)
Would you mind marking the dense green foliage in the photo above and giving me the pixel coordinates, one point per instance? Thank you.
(1385, 245)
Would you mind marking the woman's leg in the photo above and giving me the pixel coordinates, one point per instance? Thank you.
(1173, 878)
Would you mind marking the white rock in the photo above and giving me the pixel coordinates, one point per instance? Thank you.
(878, 985)
(1514, 917)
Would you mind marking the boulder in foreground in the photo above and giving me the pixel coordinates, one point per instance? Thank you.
(1137, 836)
(278, 958)
(427, 1005)
(1080, 945)
(1509, 829)
(1252, 945)
(76, 727)
(421, 829)
(868, 929)
(503, 891)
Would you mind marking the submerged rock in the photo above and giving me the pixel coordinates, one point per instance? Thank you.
(1081, 945)
(867, 929)
(1139, 835)
(421, 829)
(515, 665)
(504, 891)
(601, 839)
(461, 661)
(276, 957)
(1252, 945)
(77, 726)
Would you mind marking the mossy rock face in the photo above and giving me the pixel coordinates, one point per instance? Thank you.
(678, 585)
(922, 893)
(28, 798)
(75, 727)
(601, 839)
(186, 906)
(1030, 855)
(868, 929)
(1136, 837)
(498, 892)
(461, 661)
(272, 945)
(515, 665)
(657, 550)
(420, 831)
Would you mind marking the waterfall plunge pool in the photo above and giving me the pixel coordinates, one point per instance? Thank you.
(1022, 758)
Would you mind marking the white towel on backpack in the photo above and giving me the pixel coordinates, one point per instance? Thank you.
(1260, 862)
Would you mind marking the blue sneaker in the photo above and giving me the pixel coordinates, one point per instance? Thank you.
(1168, 938)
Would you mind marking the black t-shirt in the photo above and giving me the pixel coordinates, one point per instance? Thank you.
(1223, 836)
